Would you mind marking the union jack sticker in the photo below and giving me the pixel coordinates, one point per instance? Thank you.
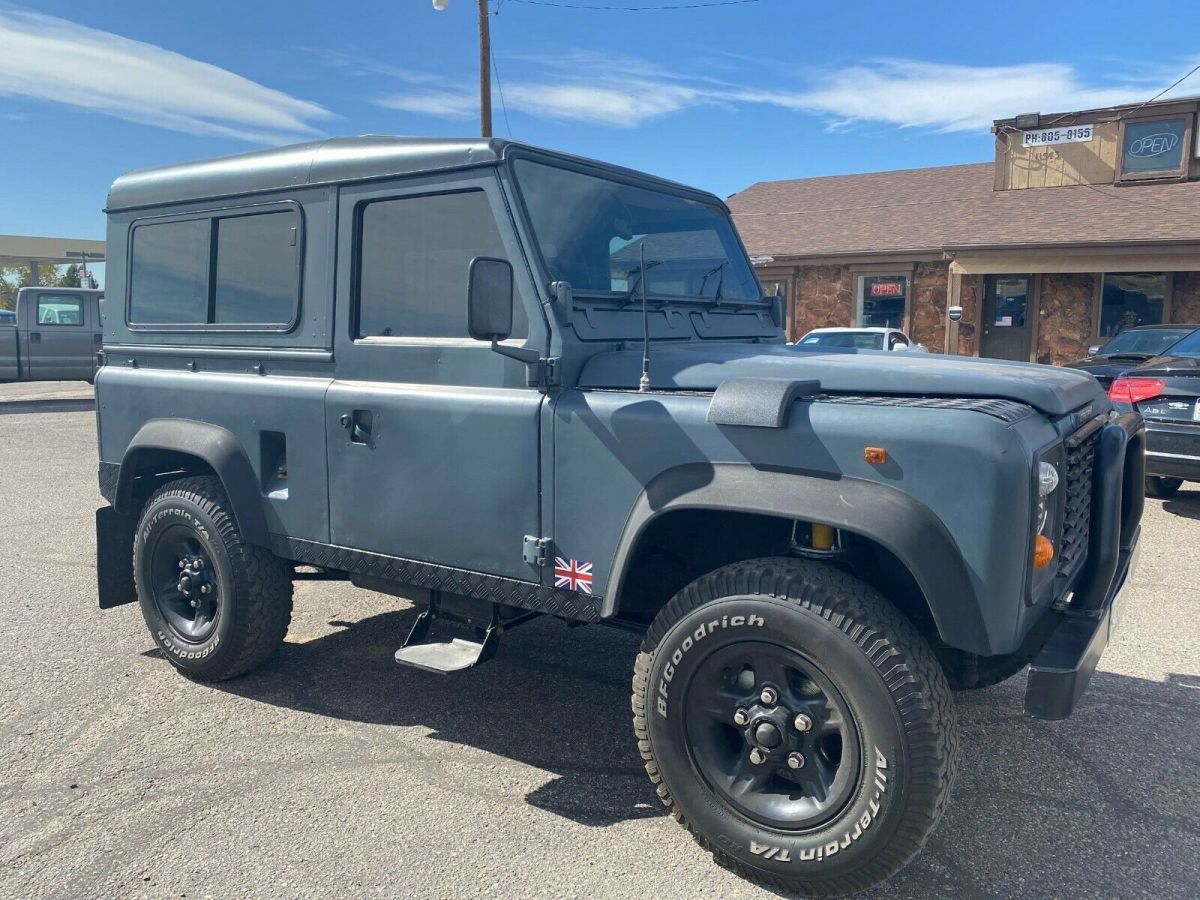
(573, 575)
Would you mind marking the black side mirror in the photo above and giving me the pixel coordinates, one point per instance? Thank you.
(490, 299)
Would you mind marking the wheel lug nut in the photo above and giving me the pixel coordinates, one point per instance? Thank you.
(183, 564)
(802, 722)
(197, 565)
(757, 757)
(206, 588)
(741, 717)
(195, 604)
(768, 696)
(795, 761)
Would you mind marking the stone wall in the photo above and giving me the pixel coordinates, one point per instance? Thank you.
(1065, 325)
(1185, 299)
(970, 298)
(927, 306)
(824, 298)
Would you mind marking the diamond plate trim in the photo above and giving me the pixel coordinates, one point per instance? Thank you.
(493, 588)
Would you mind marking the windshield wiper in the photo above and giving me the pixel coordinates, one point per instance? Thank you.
(631, 294)
(719, 271)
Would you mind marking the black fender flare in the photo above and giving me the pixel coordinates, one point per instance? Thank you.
(884, 514)
(219, 450)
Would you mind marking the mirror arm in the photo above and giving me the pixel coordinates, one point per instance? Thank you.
(524, 354)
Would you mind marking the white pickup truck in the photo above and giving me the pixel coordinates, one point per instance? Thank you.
(54, 335)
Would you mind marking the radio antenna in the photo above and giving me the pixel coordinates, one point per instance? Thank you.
(644, 383)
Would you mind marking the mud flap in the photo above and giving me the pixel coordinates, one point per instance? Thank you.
(114, 558)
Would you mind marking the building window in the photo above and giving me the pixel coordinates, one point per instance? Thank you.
(414, 258)
(1154, 148)
(1132, 298)
(882, 301)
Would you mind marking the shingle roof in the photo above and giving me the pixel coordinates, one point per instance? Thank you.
(953, 206)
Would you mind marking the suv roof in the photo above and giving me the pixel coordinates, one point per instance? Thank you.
(331, 161)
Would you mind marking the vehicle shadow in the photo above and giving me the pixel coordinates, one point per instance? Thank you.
(1186, 503)
(1102, 804)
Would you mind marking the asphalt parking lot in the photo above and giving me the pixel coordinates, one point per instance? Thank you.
(333, 772)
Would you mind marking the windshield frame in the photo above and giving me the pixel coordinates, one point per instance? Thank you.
(635, 179)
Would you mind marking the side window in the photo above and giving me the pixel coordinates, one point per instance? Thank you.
(168, 273)
(256, 274)
(59, 309)
(233, 270)
(897, 340)
(413, 259)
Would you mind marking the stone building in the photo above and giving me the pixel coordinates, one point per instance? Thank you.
(1083, 223)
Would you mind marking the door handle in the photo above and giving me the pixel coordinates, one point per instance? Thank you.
(35, 337)
(359, 423)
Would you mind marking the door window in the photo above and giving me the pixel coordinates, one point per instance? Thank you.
(413, 262)
(1011, 302)
(1131, 298)
(881, 301)
(59, 309)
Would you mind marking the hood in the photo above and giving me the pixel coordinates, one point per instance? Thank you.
(1107, 367)
(703, 366)
(1165, 365)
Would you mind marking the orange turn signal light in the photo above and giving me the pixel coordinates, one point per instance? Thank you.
(876, 456)
(1043, 552)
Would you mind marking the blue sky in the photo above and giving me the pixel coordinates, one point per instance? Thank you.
(718, 97)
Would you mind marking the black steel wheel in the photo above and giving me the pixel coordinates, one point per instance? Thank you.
(772, 735)
(216, 606)
(796, 724)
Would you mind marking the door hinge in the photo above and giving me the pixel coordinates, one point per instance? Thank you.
(536, 550)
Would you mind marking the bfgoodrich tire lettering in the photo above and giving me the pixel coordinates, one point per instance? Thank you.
(882, 670)
(235, 606)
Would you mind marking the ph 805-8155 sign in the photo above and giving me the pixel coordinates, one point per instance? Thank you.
(1042, 137)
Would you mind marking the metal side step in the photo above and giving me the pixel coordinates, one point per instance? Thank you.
(452, 654)
(443, 657)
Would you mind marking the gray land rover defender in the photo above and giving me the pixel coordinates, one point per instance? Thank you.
(419, 363)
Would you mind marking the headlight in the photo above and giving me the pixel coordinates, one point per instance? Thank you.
(1047, 482)
(1047, 479)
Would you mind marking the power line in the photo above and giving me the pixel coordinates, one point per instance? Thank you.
(613, 8)
(500, 91)
(1175, 84)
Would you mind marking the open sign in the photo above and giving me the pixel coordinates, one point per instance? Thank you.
(1154, 144)
(887, 289)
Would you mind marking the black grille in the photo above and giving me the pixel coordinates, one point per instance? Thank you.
(1077, 511)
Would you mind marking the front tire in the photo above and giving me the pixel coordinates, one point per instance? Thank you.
(796, 724)
(1162, 486)
(216, 606)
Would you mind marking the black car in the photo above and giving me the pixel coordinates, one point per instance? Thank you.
(1130, 348)
(1166, 391)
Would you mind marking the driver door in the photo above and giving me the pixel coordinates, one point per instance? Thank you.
(432, 438)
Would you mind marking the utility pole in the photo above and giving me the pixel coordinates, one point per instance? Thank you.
(485, 64)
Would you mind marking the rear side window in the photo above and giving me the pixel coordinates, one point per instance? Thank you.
(168, 276)
(256, 269)
(59, 309)
(240, 271)
(414, 256)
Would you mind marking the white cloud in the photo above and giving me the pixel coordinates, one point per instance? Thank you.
(951, 97)
(47, 58)
(624, 91)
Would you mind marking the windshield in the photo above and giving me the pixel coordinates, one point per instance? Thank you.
(593, 231)
(1189, 346)
(862, 340)
(1150, 342)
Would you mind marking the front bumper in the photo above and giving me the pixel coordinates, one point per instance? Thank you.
(1062, 669)
(1173, 451)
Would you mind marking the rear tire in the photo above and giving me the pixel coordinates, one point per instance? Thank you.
(216, 606)
(877, 743)
(1162, 487)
